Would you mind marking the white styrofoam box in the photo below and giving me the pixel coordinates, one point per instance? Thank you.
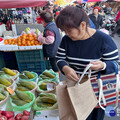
(48, 118)
(2, 42)
(14, 30)
(47, 115)
(29, 47)
(2, 29)
(8, 47)
(8, 33)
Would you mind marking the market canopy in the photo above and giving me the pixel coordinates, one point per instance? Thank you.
(83, 1)
(22, 3)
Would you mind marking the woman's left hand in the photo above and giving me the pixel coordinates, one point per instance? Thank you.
(97, 65)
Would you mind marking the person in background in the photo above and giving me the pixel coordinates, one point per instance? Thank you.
(96, 17)
(9, 24)
(51, 38)
(55, 9)
(117, 20)
(33, 15)
(83, 45)
(105, 8)
(91, 24)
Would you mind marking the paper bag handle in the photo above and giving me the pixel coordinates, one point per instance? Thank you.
(85, 70)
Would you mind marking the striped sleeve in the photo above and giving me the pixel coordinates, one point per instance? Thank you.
(61, 56)
(110, 53)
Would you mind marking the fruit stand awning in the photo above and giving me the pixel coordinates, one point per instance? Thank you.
(22, 3)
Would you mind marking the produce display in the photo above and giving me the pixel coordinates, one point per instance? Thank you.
(45, 101)
(25, 85)
(6, 77)
(46, 86)
(9, 71)
(10, 115)
(47, 75)
(23, 40)
(2, 95)
(20, 98)
(27, 94)
(26, 75)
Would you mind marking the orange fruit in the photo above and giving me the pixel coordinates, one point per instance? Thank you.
(29, 35)
(40, 43)
(6, 42)
(34, 35)
(32, 42)
(20, 37)
(30, 38)
(23, 42)
(36, 42)
(10, 41)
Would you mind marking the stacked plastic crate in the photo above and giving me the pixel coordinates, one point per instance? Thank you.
(31, 61)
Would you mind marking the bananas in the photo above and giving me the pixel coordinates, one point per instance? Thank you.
(2, 96)
(23, 96)
(48, 74)
(19, 102)
(9, 71)
(46, 100)
(29, 74)
(28, 84)
(43, 86)
(5, 82)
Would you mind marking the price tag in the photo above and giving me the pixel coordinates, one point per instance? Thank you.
(50, 86)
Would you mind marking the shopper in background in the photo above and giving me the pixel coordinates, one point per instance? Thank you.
(51, 38)
(117, 20)
(96, 17)
(83, 45)
(55, 9)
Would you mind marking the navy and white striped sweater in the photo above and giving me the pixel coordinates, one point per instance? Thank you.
(77, 54)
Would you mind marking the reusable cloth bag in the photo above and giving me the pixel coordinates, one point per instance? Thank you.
(76, 100)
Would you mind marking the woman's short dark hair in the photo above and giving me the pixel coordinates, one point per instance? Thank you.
(47, 16)
(71, 17)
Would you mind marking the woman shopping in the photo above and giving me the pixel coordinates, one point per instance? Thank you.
(83, 45)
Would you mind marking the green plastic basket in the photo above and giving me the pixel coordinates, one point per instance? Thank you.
(26, 106)
(54, 79)
(49, 95)
(45, 91)
(34, 79)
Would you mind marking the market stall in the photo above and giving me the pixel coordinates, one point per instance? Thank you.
(29, 92)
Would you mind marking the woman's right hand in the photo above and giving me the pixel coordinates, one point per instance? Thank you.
(70, 73)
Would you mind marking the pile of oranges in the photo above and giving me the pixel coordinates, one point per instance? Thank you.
(12, 41)
(24, 40)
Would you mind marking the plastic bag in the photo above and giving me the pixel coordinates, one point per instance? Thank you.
(24, 107)
(48, 95)
(46, 91)
(56, 80)
(4, 102)
(34, 79)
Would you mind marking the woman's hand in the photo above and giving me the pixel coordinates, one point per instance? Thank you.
(70, 73)
(97, 65)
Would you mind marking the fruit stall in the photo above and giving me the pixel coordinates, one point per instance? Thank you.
(26, 93)
(27, 49)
